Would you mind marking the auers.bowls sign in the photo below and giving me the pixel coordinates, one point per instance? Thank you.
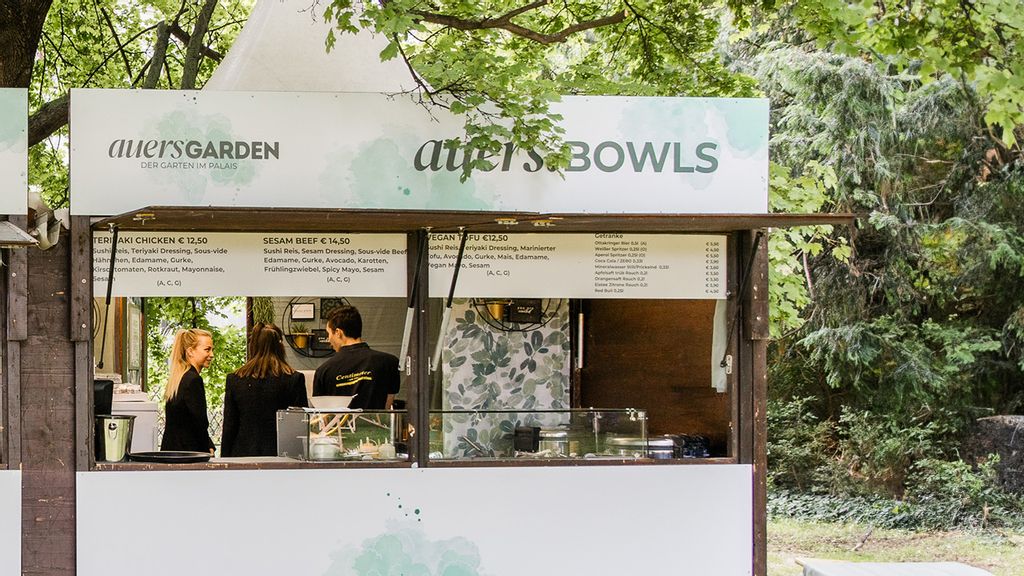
(358, 150)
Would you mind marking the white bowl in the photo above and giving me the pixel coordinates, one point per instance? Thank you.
(330, 402)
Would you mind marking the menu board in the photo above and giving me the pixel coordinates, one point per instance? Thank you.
(580, 265)
(506, 265)
(251, 264)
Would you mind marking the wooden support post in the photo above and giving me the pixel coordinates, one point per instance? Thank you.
(12, 418)
(5, 411)
(420, 351)
(733, 272)
(744, 356)
(48, 417)
(80, 332)
(756, 335)
(16, 328)
(17, 285)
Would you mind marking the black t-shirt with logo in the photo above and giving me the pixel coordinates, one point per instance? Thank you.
(358, 370)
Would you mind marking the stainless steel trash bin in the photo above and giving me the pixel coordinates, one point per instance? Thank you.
(113, 437)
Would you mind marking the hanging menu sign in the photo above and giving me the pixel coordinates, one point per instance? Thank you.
(505, 265)
(251, 264)
(580, 265)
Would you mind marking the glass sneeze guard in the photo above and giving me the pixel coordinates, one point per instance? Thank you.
(314, 435)
(538, 434)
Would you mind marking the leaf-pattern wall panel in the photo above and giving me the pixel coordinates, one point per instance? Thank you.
(485, 368)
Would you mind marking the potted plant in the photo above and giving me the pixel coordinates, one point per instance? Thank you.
(300, 334)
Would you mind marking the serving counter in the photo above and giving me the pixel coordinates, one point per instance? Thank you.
(472, 521)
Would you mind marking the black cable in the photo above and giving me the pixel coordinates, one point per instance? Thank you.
(458, 265)
(421, 243)
(110, 286)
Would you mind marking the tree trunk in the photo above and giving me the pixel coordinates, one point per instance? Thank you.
(50, 117)
(194, 52)
(21, 26)
(156, 64)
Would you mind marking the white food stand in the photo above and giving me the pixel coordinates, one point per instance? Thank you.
(218, 193)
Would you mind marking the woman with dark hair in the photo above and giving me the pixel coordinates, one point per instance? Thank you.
(255, 392)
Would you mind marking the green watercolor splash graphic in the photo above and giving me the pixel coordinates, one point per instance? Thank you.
(11, 135)
(405, 550)
(688, 120)
(382, 178)
(188, 125)
(13, 122)
(748, 127)
(380, 174)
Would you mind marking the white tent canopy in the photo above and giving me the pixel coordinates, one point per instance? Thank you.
(282, 48)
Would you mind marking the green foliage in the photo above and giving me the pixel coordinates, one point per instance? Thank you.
(263, 310)
(168, 315)
(957, 495)
(904, 366)
(912, 332)
(877, 450)
(799, 444)
(501, 64)
(110, 44)
(788, 248)
(996, 509)
(975, 42)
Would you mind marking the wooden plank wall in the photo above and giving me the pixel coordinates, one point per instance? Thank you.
(6, 414)
(15, 329)
(48, 418)
(655, 354)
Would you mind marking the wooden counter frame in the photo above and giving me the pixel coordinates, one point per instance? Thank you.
(81, 334)
(747, 383)
(221, 464)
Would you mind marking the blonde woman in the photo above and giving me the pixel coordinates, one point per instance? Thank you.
(187, 425)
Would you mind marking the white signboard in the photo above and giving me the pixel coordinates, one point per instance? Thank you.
(580, 265)
(13, 151)
(10, 522)
(251, 264)
(651, 520)
(135, 148)
(507, 265)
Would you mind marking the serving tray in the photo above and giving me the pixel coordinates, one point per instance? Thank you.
(169, 457)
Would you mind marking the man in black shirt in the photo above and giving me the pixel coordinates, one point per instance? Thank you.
(356, 369)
